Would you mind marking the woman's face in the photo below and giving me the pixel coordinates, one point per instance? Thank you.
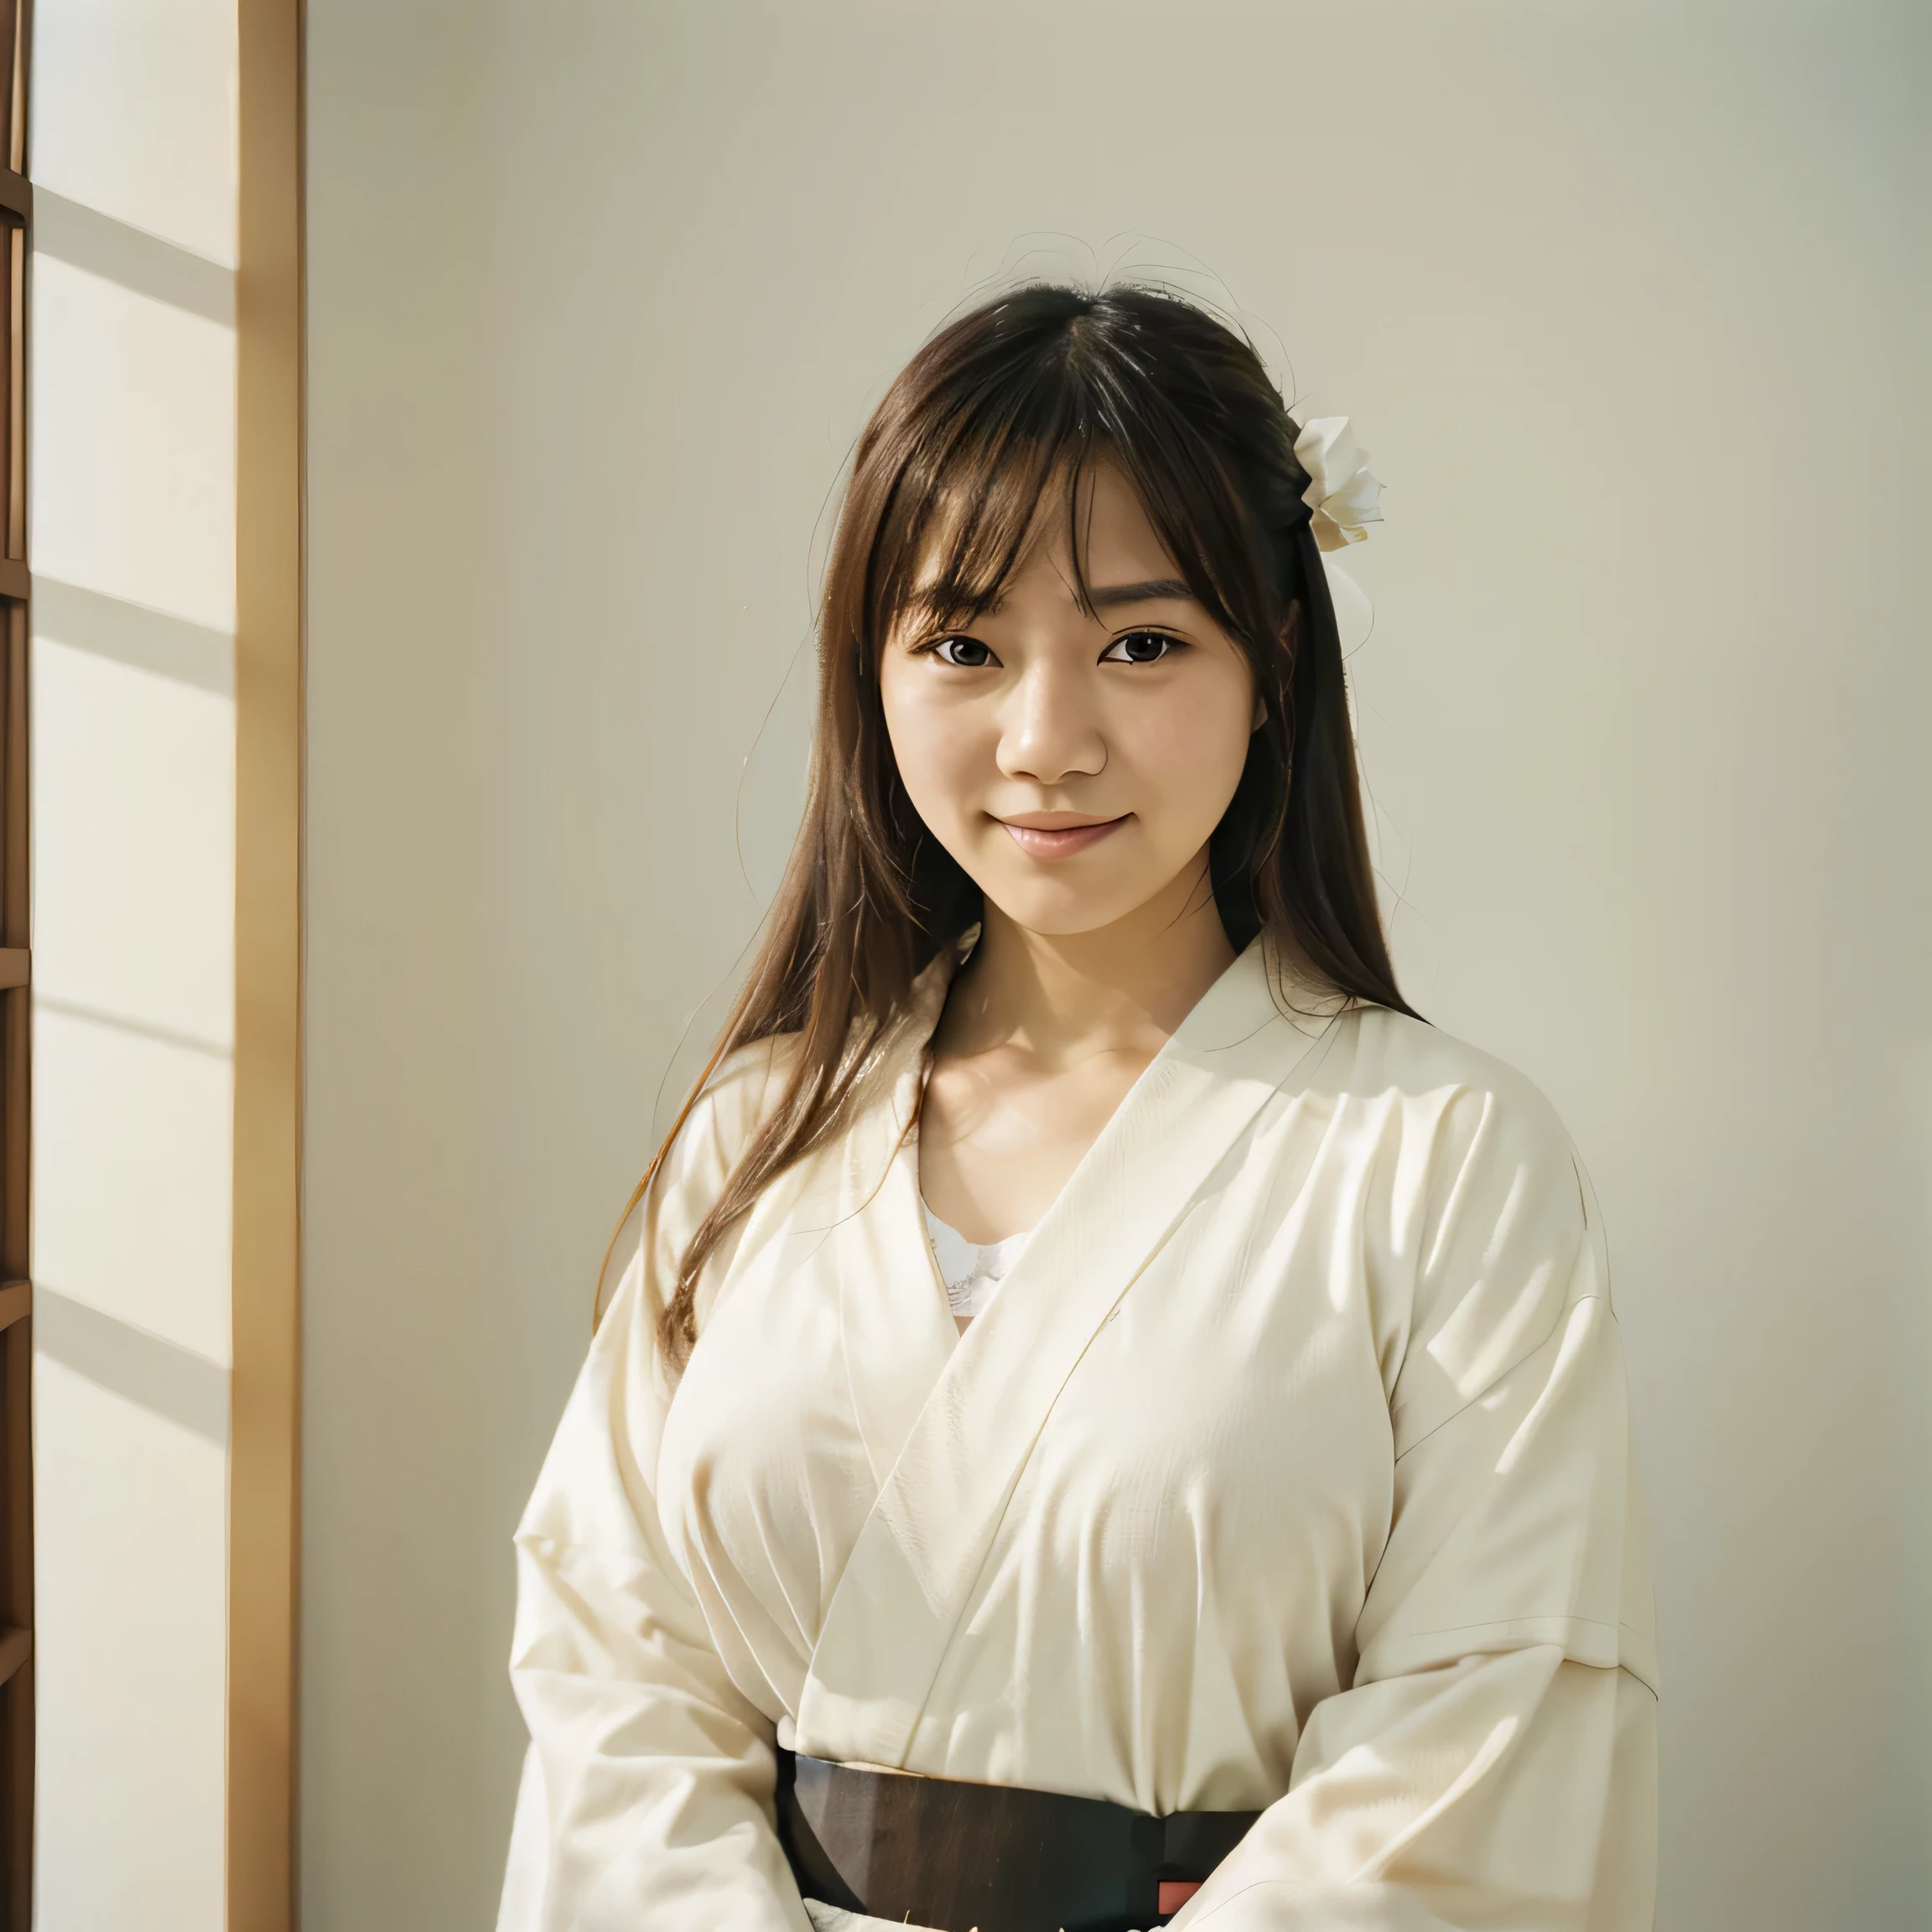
(1074, 764)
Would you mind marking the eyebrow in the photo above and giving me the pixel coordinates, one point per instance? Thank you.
(1152, 590)
(936, 602)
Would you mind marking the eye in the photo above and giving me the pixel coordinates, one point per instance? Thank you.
(967, 653)
(1141, 648)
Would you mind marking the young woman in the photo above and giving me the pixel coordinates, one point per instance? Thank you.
(1105, 1413)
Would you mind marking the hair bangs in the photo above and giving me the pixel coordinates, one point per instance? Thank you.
(972, 498)
(965, 508)
(1194, 504)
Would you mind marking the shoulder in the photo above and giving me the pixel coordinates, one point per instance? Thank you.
(735, 1100)
(1480, 1172)
(1473, 1106)
(1487, 1201)
(1376, 1062)
(724, 1115)
(1412, 1055)
(727, 1111)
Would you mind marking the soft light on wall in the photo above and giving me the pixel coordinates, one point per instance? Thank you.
(132, 150)
(1623, 299)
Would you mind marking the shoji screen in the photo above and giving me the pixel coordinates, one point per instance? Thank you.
(132, 384)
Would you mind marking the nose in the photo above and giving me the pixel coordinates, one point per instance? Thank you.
(1050, 729)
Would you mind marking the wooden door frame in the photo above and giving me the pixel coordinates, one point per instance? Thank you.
(265, 1415)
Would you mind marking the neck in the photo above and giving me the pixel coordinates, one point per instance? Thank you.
(1124, 986)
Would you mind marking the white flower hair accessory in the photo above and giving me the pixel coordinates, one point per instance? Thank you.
(1343, 491)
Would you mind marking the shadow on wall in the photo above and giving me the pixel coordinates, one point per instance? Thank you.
(160, 1376)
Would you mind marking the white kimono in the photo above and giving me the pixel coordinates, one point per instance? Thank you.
(1288, 1471)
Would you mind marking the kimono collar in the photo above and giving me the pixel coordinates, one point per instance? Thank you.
(948, 1421)
(1260, 987)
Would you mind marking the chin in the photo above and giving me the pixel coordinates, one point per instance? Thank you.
(1061, 914)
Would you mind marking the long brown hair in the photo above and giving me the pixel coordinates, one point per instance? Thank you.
(1018, 396)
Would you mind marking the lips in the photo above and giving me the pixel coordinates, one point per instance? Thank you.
(1060, 841)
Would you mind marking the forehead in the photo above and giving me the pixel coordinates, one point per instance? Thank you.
(1081, 536)
(1111, 527)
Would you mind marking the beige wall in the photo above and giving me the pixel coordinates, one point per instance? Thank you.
(1622, 298)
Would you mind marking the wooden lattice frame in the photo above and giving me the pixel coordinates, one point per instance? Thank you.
(16, 1021)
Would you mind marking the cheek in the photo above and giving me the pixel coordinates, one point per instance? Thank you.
(1187, 753)
(941, 764)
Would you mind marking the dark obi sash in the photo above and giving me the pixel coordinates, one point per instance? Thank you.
(934, 1852)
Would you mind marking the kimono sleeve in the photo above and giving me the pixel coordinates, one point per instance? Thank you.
(1493, 1764)
(646, 1795)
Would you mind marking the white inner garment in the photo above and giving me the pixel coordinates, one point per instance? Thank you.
(972, 1273)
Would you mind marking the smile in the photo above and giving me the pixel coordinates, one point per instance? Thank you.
(1061, 841)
